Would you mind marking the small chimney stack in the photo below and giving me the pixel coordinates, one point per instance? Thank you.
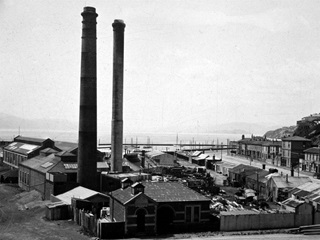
(87, 145)
(143, 158)
(117, 96)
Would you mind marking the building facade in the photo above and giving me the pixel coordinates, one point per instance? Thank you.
(160, 207)
(310, 162)
(23, 148)
(292, 150)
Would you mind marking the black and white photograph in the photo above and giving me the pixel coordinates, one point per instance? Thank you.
(159, 119)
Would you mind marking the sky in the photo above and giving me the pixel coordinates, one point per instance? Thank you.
(187, 64)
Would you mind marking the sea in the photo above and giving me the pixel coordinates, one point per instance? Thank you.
(133, 138)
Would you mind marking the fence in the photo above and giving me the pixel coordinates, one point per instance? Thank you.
(242, 222)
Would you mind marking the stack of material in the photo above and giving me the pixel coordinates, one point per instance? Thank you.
(307, 230)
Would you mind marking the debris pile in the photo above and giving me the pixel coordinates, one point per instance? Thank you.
(219, 204)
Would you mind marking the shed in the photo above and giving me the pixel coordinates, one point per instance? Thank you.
(57, 211)
(81, 193)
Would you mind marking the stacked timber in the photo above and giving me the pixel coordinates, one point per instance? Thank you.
(307, 230)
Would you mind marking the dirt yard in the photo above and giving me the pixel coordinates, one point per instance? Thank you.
(22, 216)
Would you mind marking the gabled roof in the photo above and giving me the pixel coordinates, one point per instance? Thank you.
(78, 192)
(292, 182)
(296, 138)
(66, 146)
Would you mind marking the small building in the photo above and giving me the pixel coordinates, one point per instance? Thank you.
(159, 158)
(83, 194)
(160, 207)
(76, 198)
(200, 160)
(278, 187)
(258, 182)
(240, 172)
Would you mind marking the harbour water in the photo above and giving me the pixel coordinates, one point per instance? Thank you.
(134, 138)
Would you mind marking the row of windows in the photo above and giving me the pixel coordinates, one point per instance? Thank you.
(24, 177)
(312, 157)
(13, 158)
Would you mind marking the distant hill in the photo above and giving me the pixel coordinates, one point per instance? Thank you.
(12, 122)
(241, 128)
(280, 132)
(229, 128)
(309, 130)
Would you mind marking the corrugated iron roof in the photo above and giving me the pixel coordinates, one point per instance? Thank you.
(292, 202)
(292, 182)
(21, 148)
(41, 163)
(78, 192)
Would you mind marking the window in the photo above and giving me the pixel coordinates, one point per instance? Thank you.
(192, 214)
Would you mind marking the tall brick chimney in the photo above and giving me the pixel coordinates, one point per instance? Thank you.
(117, 96)
(87, 145)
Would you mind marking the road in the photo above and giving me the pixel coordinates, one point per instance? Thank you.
(254, 237)
(242, 160)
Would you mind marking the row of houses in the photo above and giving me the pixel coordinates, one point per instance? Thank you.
(293, 152)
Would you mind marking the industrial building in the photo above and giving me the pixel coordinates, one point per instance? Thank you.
(23, 148)
(160, 207)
